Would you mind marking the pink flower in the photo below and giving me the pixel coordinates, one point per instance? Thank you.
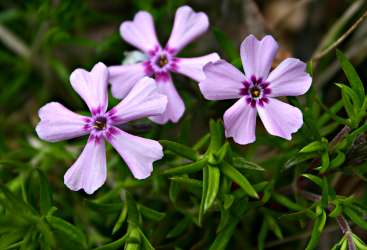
(256, 90)
(140, 33)
(58, 123)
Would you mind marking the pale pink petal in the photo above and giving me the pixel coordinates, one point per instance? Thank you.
(280, 119)
(188, 25)
(257, 56)
(289, 79)
(143, 100)
(59, 123)
(223, 81)
(124, 77)
(138, 153)
(89, 171)
(175, 106)
(140, 32)
(92, 87)
(193, 67)
(240, 122)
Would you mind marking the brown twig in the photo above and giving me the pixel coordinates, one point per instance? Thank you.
(318, 56)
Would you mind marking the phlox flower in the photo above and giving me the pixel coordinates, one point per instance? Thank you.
(140, 33)
(256, 90)
(59, 123)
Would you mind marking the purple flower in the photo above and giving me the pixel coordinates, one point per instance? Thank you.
(140, 33)
(256, 90)
(59, 123)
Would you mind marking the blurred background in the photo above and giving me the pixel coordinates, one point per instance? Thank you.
(42, 42)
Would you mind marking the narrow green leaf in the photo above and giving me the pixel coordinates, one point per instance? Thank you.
(216, 136)
(312, 147)
(45, 193)
(228, 200)
(352, 75)
(180, 227)
(315, 179)
(145, 242)
(186, 169)
(359, 243)
(150, 213)
(273, 226)
(174, 189)
(180, 149)
(325, 193)
(317, 229)
(213, 186)
(222, 152)
(336, 211)
(121, 219)
(114, 245)
(262, 235)
(202, 142)
(240, 179)
(286, 202)
(187, 181)
(71, 231)
(355, 218)
(338, 160)
(204, 192)
(240, 162)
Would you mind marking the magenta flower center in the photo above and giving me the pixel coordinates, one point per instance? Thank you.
(100, 123)
(256, 91)
(160, 63)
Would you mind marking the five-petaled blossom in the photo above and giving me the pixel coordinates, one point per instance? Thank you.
(58, 123)
(256, 90)
(140, 33)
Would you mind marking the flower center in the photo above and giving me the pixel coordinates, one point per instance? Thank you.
(100, 123)
(161, 61)
(255, 92)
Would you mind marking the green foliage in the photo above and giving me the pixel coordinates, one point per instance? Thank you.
(207, 192)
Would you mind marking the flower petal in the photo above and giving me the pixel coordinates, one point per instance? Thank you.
(289, 78)
(240, 122)
(188, 25)
(92, 87)
(143, 100)
(175, 106)
(124, 77)
(257, 56)
(59, 123)
(89, 171)
(223, 81)
(138, 153)
(193, 67)
(280, 119)
(140, 32)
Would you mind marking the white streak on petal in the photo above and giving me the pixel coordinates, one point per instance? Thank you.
(257, 56)
(175, 106)
(138, 153)
(124, 77)
(140, 32)
(89, 170)
(193, 67)
(143, 100)
(240, 122)
(92, 86)
(280, 119)
(289, 79)
(188, 25)
(222, 81)
(59, 123)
